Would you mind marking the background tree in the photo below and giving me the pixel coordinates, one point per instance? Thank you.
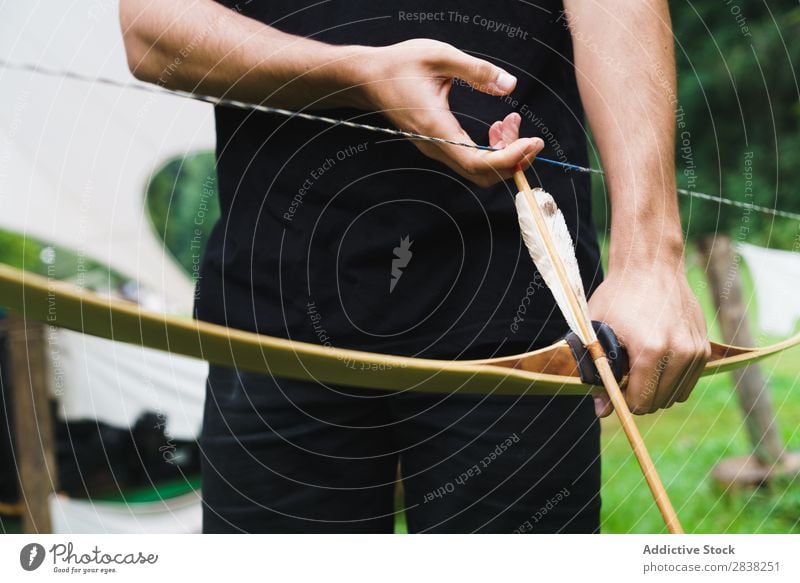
(740, 115)
(181, 201)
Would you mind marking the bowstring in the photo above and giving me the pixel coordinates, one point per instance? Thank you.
(234, 103)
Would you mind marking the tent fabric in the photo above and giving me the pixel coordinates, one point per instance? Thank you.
(75, 158)
(775, 276)
(116, 383)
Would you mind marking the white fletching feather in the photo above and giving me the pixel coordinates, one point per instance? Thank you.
(546, 264)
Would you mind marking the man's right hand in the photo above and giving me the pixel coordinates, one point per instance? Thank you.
(409, 83)
(241, 58)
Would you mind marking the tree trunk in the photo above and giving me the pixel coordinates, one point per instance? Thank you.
(33, 422)
(723, 269)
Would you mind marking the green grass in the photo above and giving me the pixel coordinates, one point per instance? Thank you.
(686, 442)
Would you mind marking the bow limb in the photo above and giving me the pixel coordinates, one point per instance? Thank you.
(547, 371)
(67, 306)
(725, 357)
(558, 359)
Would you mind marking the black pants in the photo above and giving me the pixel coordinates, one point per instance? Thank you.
(288, 456)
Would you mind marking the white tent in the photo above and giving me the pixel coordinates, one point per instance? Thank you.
(75, 158)
(116, 383)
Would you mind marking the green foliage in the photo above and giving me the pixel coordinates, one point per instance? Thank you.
(56, 262)
(183, 206)
(739, 114)
(20, 252)
(737, 117)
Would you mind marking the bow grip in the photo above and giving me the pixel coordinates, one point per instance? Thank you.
(616, 353)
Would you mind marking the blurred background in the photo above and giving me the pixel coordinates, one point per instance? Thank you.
(78, 162)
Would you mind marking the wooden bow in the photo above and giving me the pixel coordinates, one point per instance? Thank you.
(548, 371)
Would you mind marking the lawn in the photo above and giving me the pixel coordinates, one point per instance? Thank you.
(686, 441)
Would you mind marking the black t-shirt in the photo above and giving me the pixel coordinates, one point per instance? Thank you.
(343, 236)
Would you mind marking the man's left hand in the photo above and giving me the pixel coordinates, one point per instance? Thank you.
(656, 316)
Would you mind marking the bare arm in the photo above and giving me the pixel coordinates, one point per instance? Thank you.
(204, 47)
(625, 67)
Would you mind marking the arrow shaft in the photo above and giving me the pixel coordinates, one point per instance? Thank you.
(601, 361)
(638, 446)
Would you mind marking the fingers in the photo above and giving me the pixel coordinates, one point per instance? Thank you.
(496, 135)
(643, 382)
(482, 167)
(694, 351)
(505, 132)
(678, 367)
(602, 405)
(480, 74)
(664, 375)
(683, 392)
(422, 107)
(685, 385)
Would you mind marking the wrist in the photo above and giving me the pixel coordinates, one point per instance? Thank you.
(646, 245)
(316, 76)
(646, 228)
(348, 75)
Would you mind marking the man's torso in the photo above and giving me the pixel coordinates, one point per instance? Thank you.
(342, 236)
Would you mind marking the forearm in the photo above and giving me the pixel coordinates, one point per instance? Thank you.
(625, 67)
(204, 47)
(200, 46)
